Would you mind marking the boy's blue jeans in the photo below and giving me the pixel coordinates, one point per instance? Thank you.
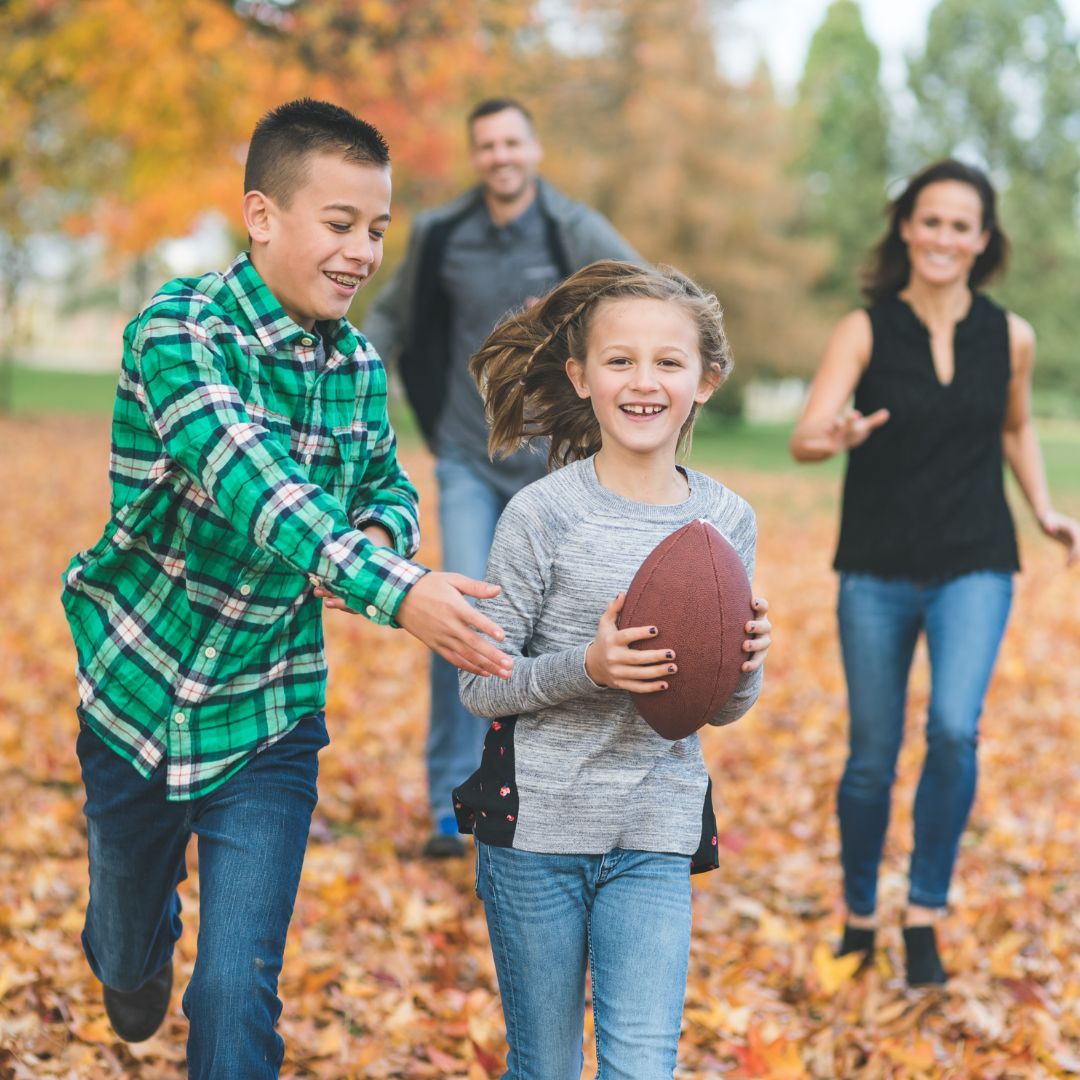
(469, 509)
(880, 621)
(252, 832)
(625, 916)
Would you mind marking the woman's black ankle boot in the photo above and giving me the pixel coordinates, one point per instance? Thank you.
(923, 962)
(858, 939)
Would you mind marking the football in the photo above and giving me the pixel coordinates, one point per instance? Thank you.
(693, 588)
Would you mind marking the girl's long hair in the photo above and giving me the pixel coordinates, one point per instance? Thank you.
(889, 268)
(521, 368)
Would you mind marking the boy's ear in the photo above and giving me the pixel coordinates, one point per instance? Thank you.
(575, 372)
(258, 213)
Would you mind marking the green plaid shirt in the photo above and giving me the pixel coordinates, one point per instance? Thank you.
(240, 475)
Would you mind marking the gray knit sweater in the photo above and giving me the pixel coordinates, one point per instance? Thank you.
(579, 771)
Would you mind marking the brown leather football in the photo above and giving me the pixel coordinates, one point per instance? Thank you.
(693, 588)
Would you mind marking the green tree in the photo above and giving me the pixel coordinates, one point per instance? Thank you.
(998, 85)
(842, 128)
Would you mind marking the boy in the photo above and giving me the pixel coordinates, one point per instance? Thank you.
(252, 459)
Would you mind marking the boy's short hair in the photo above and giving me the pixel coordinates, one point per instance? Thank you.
(490, 106)
(286, 137)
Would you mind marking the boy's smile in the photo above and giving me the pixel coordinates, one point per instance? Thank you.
(317, 252)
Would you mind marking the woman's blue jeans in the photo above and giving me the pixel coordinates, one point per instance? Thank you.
(625, 916)
(252, 832)
(880, 621)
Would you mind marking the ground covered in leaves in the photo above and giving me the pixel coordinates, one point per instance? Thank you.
(388, 973)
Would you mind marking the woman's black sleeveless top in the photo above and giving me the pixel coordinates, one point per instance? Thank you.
(924, 496)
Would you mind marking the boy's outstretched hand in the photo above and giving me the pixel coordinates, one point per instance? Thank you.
(436, 612)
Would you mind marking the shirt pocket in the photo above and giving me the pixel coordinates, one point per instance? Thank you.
(355, 443)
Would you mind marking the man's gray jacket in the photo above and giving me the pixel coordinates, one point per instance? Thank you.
(409, 322)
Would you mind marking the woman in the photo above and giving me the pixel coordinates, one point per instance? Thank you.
(941, 377)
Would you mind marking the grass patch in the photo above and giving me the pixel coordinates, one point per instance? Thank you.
(722, 444)
(38, 390)
(717, 444)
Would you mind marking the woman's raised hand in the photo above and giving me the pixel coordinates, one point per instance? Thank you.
(851, 428)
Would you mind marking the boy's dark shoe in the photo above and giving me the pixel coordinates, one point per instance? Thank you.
(441, 845)
(135, 1015)
(923, 962)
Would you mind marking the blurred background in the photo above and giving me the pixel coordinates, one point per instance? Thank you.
(752, 143)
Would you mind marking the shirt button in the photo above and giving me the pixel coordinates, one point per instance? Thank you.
(245, 589)
(371, 610)
(307, 341)
(179, 718)
(211, 652)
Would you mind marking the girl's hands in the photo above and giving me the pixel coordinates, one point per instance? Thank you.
(609, 660)
(1065, 530)
(760, 636)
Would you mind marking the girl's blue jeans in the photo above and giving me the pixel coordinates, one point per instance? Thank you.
(880, 621)
(623, 916)
(252, 832)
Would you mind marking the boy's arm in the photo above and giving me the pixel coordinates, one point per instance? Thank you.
(386, 497)
(201, 419)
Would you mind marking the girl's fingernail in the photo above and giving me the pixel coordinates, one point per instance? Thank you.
(671, 669)
(670, 655)
(663, 686)
(652, 629)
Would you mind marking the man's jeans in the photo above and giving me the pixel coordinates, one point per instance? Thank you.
(626, 917)
(880, 620)
(469, 509)
(252, 832)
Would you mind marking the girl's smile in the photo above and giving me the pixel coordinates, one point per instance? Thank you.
(643, 374)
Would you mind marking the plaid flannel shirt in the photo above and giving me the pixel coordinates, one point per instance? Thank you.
(240, 474)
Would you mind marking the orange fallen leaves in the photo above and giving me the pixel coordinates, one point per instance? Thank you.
(387, 971)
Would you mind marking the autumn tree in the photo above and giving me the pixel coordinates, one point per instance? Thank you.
(690, 169)
(997, 84)
(841, 127)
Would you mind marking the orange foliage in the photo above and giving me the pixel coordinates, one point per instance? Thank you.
(387, 971)
(137, 112)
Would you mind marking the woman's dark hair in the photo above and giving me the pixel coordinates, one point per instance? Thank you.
(888, 267)
(521, 368)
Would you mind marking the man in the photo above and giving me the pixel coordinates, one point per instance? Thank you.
(501, 245)
(252, 459)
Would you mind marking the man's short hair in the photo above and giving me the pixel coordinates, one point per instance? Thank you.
(286, 137)
(489, 106)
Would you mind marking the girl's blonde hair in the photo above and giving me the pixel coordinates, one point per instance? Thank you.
(521, 368)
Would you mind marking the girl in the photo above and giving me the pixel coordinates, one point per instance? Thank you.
(942, 382)
(588, 823)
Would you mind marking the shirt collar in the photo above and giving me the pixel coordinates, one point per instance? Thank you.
(515, 226)
(273, 327)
